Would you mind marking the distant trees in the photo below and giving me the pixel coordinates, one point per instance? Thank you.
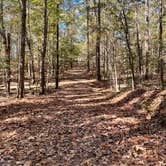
(139, 48)
(27, 50)
(119, 41)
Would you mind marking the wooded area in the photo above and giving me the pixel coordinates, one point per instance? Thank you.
(82, 82)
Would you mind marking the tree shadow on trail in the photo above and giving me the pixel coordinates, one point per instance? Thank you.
(81, 123)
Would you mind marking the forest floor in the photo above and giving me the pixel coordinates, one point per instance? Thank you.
(84, 123)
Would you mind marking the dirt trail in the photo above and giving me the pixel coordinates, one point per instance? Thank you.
(80, 124)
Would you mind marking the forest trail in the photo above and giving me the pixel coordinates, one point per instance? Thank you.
(83, 123)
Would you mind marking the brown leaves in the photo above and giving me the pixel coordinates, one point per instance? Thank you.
(138, 150)
(28, 163)
(81, 124)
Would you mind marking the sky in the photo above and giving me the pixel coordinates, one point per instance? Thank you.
(66, 5)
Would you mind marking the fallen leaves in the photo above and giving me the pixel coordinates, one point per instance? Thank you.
(28, 163)
(81, 124)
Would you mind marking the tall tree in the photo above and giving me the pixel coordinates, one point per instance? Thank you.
(22, 51)
(88, 40)
(147, 53)
(57, 49)
(160, 58)
(139, 50)
(6, 40)
(115, 66)
(128, 43)
(44, 47)
(98, 72)
(29, 43)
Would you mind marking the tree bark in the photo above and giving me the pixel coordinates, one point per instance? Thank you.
(88, 40)
(147, 39)
(115, 69)
(57, 50)
(98, 42)
(8, 69)
(6, 40)
(22, 52)
(130, 54)
(29, 39)
(160, 58)
(44, 47)
(139, 52)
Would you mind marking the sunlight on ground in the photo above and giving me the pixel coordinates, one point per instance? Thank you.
(14, 86)
(80, 81)
(120, 97)
(156, 103)
(15, 119)
(110, 102)
(91, 98)
(104, 117)
(46, 117)
(7, 134)
(80, 117)
(129, 120)
(134, 101)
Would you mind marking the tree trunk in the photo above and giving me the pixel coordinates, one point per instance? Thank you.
(1, 15)
(115, 70)
(139, 52)
(88, 40)
(6, 40)
(57, 51)
(44, 46)
(22, 51)
(98, 42)
(160, 59)
(130, 54)
(32, 68)
(8, 70)
(147, 39)
(28, 39)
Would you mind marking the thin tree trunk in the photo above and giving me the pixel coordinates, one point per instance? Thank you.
(6, 41)
(139, 52)
(110, 73)
(147, 39)
(8, 70)
(1, 14)
(88, 40)
(57, 51)
(104, 59)
(22, 51)
(32, 68)
(115, 70)
(160, 59)
(53, 58)
(44, 46)
(130, 54)
(28, 39)
(98, 41)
